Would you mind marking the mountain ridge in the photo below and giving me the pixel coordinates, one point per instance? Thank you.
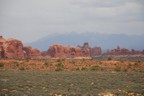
(105, 41)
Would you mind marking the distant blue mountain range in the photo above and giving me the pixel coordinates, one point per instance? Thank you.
(105, 41)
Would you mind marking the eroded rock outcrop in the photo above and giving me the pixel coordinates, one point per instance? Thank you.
(64, 51)
(123, 51)
(2, 40)
(30, 52)
(13, 48)
(57, 51)
(96, 51)
(85, 49)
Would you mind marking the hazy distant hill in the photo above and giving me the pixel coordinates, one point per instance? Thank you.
(106, 41)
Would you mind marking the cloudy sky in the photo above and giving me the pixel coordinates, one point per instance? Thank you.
(30, 20)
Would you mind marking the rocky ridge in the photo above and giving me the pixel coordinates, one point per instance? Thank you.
(59, 51)
(13, 48)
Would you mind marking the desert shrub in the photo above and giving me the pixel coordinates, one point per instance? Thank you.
(59, 66)
(95, 68)
(63, 59)
(59, 60)
(137, 63)
(22, 68)
(47, 64)
(1, 64)
(59, 69)
(100, 62)
(32, 63)
(125, 70)
(84, 68)
(121, 61)
(83, 59)
(27, 59)
(16, 63)
(117, 68)
(129, 65)
(109, 58)
(141, 70)
(73, 61)
(77, 69)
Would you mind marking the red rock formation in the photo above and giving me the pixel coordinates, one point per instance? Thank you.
(143, 51)
(13, 48)
(29, 52)
(96, 51)
(123, 51)
(68, 51)
(85, 50)
(64, 51)
(2, 40)
(1, 52)
(86, 45)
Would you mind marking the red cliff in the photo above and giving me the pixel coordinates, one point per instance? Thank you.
(57, 51)
(13, 48)
(29, 52)
(64, 51)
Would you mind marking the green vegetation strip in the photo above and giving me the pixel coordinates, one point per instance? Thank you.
(83, 83)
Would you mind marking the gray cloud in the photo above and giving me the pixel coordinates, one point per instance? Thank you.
(30, 20)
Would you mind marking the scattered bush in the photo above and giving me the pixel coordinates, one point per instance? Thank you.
(83, 59)
(59, 66)
(77, 69)
(73, 62)
(32, 64)
(136, 64)
(129, 65)
(59, 69)
(59, 60)
(16, 63)
(1, 64)
(27, 59)
(84, 68)
(125, 70)
(47, 64)
(95, 68)
(138, 61)
(121, 61)
(63, 59)
(109, 58)
(22, 68)
(100, 62)
(117, 68)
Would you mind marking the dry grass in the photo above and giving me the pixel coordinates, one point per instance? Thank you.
(71, 77)
(73, 65)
